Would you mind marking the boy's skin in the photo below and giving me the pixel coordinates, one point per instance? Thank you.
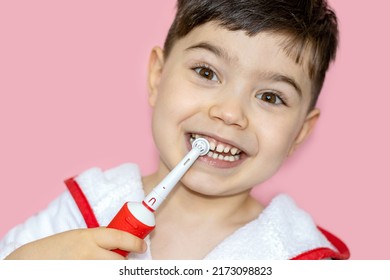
(212, 200)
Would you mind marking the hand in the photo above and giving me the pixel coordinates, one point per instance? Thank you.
(94, 243)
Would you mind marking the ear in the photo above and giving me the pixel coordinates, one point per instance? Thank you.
(307, 127)
(156, 65)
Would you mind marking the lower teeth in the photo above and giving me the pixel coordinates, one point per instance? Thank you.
(221, 157)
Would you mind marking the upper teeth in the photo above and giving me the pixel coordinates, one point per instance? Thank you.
(217, 148)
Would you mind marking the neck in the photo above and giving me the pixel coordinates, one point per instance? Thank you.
(186, 219)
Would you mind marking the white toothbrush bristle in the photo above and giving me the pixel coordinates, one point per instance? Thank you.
(202, 145)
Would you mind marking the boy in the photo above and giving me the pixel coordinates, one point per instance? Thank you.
(246, 76)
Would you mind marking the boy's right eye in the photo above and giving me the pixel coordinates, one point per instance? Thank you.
(206, 72)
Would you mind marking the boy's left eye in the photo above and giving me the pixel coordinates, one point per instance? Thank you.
(206, 73)
(270, 97)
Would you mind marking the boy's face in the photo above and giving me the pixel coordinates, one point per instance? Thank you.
(244, 94)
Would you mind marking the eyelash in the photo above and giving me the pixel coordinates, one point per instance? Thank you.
(277, 95)
(201, 67)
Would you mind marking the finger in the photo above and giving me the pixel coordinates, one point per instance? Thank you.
(109, 239)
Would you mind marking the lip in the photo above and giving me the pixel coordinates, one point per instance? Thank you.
(217, 162)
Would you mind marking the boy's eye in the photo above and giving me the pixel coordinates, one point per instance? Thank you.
(270, 97)
(206, 73)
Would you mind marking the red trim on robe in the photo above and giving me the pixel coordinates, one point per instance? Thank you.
(326, 253)
(82, 202)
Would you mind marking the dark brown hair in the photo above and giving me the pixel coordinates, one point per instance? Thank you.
(310, 25)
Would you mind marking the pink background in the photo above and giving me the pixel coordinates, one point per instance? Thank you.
(73, 96)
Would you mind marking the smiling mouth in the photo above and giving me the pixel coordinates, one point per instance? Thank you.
(219, 150)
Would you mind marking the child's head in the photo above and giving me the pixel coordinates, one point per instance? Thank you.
(245, 75)
(310, 25)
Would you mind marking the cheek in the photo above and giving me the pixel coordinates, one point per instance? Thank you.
(276, 137)
(176, 101)
(171, 91)
(172, 107)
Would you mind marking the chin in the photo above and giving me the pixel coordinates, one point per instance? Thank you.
(206, 184)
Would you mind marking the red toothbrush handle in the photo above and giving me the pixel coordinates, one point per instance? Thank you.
(124, 220)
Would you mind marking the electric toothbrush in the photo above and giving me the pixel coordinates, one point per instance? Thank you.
(138, 218)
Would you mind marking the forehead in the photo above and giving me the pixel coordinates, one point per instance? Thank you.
(265, 52)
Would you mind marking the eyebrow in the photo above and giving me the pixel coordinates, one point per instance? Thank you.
(220, 52)
(277, 77)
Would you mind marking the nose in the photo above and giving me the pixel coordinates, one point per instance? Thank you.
(230, 111)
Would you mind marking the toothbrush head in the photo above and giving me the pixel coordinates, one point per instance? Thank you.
(202, 145)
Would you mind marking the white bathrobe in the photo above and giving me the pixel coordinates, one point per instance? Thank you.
(281, 231)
